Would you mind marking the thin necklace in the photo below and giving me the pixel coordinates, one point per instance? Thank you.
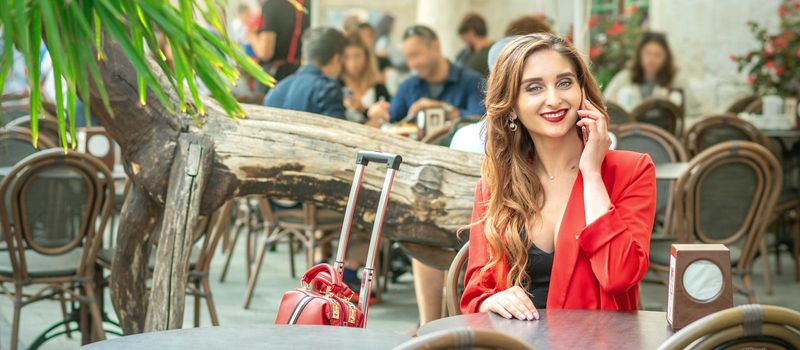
(553, 177)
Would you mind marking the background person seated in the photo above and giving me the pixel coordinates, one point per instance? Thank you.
(437, 83)
(315, 86)
(361, 79)
(651, 75)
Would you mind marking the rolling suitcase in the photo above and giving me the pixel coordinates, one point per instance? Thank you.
(323, 298)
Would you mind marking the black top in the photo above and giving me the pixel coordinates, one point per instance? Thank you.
(279, 16)
(540, 263)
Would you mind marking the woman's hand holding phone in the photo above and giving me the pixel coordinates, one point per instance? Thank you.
(595, 134)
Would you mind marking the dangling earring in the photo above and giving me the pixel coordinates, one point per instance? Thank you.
(511, 124)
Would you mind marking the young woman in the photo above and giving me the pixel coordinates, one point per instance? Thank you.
(360, 79)
(652, 75)
(559, 221)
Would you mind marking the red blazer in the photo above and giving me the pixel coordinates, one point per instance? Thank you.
(595, 267)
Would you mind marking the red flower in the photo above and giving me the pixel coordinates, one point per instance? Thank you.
(616, 29)
(797, 6)
(734, 58)
(768, 51)
(595, 51)
(779, 43)
(797, 53)
(751, 79)
(781, 11)
(592, 22)
(779, 70)
(770, 65)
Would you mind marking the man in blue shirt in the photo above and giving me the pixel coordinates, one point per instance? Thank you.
(437, 83)
(314, 87)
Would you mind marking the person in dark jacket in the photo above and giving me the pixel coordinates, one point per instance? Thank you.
(314, 87)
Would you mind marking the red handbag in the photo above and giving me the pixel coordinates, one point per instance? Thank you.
(323, 299)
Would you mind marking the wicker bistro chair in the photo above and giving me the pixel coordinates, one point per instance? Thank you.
(726, 197)
(12, 107)
(207, 235)
(662, 148)
(15, 145)
(311, 226)
(617, 114)
(716, 129)
(464, 338)
(750, 326)
(453, 282)
(439, 136)
(755, 107)
(720, 128)
(661, 113)
(59, 206)
(47, 127)
(741, 104)
(447, 138)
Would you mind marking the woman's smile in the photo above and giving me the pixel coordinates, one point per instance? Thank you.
(555, 116)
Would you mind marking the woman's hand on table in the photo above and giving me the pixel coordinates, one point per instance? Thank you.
(513, 302)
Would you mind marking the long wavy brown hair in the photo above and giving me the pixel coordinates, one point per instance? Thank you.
(508, 172)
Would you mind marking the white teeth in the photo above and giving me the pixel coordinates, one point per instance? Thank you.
(554, 114)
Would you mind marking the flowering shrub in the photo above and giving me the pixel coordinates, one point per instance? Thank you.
(614, 42)
(774, 67)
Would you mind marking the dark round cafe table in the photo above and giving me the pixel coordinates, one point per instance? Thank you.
(571, 329)
(257, 337)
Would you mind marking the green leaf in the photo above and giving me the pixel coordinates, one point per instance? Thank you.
(138, 61)
(6, 60)
(33, 71)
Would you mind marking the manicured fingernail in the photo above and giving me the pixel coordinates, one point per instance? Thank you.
(536, 315)
(529, 317)
(521, 317)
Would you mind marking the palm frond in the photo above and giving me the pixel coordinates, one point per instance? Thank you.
(200, 55)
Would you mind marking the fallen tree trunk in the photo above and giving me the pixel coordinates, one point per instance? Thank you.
(282, 154)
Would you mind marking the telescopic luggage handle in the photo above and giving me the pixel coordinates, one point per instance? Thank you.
(392, 162)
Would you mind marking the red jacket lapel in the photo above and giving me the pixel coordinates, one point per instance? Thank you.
(567, 249)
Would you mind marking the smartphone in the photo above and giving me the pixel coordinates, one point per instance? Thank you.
(584, 130)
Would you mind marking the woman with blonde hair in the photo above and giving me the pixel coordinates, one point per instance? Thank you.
(360, 79)
(559, 221)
